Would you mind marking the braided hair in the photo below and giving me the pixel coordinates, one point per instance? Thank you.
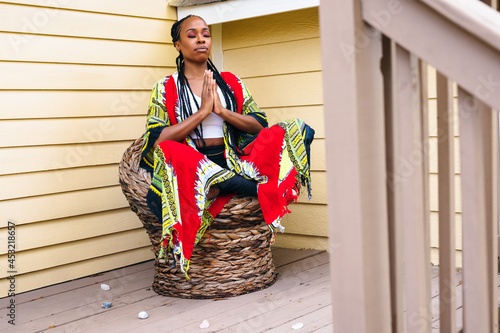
(184, 89)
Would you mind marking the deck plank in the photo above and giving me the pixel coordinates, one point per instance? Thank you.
(313, 321)
(288, 314)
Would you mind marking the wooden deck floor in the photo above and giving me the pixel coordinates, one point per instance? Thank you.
(458, 299)
(301, 294)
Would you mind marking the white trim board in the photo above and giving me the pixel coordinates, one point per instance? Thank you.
(217, 53)
(234, 10)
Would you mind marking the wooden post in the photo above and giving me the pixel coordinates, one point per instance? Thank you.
(492, 154)
(446, 172)
(478, 171)
(356, 169)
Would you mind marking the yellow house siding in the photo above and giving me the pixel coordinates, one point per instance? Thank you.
(278, 58)
(433, 180)
(75, 82)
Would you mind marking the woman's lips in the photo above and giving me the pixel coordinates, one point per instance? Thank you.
(201, 49)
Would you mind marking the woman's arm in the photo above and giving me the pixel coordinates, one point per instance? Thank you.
(242, 122)
(180, 131)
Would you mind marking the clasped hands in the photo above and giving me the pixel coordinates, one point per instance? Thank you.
(210, 101)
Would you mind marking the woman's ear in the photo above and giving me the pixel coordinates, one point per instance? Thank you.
(177, 46)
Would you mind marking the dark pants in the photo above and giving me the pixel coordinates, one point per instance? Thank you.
(236, 184)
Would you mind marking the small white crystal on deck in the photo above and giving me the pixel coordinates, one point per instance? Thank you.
(297, 326)
(143, 315)
(205, 324)
(105, 287)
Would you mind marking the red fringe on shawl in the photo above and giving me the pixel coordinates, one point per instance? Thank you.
(266, 152)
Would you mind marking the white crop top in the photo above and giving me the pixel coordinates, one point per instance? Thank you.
(212, 124)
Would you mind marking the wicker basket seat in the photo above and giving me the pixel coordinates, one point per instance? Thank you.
(232, 258)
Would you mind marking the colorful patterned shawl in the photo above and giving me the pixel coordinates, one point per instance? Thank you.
(277, 158)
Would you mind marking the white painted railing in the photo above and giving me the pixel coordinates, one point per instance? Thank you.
(375, 56)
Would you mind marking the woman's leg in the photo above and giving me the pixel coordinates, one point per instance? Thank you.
(236, 184)
(239, 184)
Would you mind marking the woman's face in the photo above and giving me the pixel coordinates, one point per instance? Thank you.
(194, 42)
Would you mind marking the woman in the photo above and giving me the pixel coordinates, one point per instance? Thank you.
(206, 139)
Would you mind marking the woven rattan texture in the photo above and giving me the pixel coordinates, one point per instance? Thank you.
(232, 258)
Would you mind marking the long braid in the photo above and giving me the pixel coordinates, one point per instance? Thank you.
(184, 99)
(183, 87)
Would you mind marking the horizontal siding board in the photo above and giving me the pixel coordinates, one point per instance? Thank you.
(67, 253)
(306, 219)
(279, 58)
(148, 8)
(72, 229)
(55, 181)
(76, 270)
(70, 130)
(294, 25)
(312, 115)
(60, 22)
(318, 157)
(302, 89)
(297, 241)
(57, 104)
(26, 76)
(60, 157)
(54, 206)
(86, 51)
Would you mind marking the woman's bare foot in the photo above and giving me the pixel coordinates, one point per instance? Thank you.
(213, 192)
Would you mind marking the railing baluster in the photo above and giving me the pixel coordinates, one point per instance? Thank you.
(424, 121)
(446, 172)
(490, 135)
(412, 158)
(396, 254)
(476, 210)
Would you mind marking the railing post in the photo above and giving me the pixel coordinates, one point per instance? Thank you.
(478, 148)
(356, 177)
